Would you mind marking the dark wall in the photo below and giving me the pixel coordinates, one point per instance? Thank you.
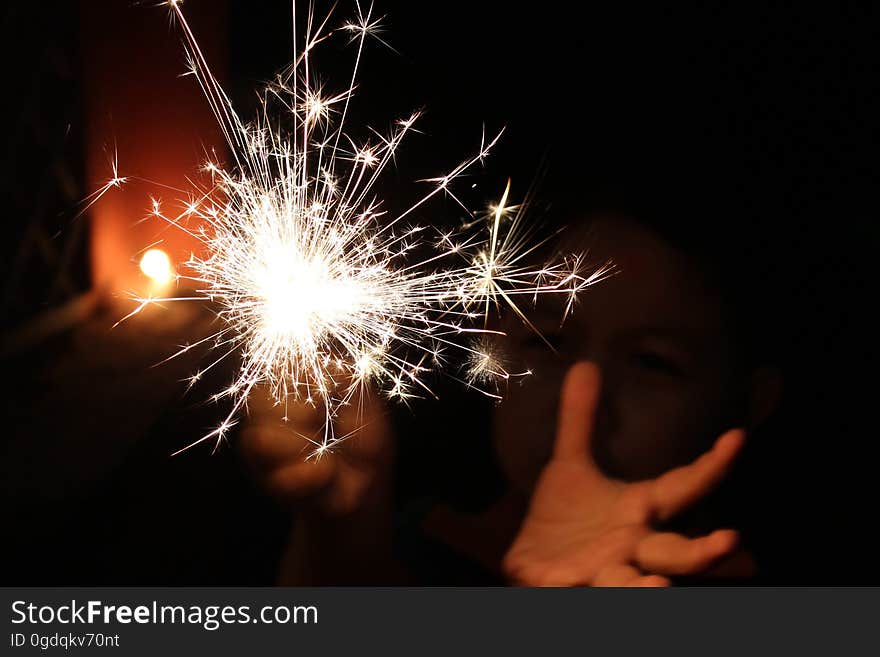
(768, 112)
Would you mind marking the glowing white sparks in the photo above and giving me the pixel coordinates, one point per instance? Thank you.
(321, 291)
(114, 181)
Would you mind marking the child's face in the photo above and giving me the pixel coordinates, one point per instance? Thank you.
(672, 378)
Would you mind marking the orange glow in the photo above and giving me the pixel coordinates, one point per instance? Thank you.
(139, 107)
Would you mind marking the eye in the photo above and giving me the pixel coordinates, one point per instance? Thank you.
(657, 363)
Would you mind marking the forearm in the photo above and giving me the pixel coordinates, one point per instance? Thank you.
(355, 549)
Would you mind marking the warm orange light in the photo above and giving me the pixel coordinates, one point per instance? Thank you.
(130, 121)
(156, 264)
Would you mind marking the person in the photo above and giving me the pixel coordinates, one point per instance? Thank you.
(610, 452)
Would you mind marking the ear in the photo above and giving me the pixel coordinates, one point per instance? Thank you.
(764, 395)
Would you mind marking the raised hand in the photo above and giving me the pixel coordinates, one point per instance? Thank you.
(338, 482)
(340, 502)
(583, 528)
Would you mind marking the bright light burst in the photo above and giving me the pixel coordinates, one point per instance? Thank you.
(323, 293)
(156, 265)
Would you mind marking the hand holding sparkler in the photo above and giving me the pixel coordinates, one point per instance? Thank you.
(333, 484)
(583, 528)
(334, 497)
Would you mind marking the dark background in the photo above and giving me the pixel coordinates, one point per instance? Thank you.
(773, 109)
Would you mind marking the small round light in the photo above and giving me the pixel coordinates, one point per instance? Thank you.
(156, 264)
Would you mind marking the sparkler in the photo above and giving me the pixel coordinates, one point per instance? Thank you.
(321, 292)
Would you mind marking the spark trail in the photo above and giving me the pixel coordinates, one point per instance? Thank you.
(321, 292)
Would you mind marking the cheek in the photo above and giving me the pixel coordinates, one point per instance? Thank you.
(523, 430)
(645, 431)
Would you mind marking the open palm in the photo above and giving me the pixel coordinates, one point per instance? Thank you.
(583, 528)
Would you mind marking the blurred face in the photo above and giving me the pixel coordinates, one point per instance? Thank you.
(672, 380)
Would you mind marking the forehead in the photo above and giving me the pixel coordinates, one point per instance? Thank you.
(655, 284)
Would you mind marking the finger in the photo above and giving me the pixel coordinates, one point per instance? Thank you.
(680, 488)
(577, 411)
(365, 428)
(262, 402)
(300, 480)
(668, 553)
(270, 445)
(617, 575)
(263, 405)
(650, 581)
(302, 412)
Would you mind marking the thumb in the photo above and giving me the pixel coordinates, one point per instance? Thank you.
(577, 411)
(366, 423)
